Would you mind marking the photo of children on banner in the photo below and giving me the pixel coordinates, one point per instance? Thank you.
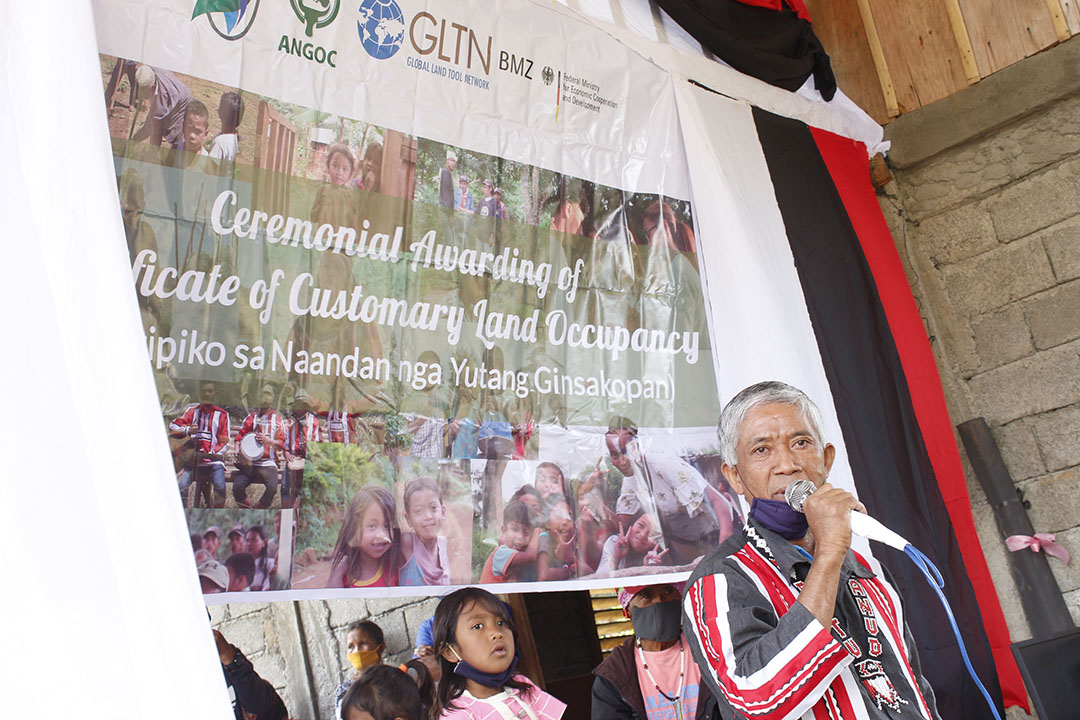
(542, 489)
(398, 535)
(643, 502)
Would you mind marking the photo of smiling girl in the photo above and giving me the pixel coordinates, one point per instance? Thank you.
(366, 553)
(424, 548)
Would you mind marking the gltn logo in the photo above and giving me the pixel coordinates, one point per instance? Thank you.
(315, 13)
(381, 27)
(230, 19)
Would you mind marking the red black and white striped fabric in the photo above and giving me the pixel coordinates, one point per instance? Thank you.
(804, 285)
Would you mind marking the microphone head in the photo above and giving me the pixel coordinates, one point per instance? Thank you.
(796, 493)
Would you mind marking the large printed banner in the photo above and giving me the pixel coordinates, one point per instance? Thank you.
(423, 292)
(428, 284)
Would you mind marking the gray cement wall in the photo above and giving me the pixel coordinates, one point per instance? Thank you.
(988, 229)
(299, 647)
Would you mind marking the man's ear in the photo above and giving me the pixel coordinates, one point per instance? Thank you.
(830, 456)
(731, 474)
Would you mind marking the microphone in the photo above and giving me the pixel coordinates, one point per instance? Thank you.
(861, 524)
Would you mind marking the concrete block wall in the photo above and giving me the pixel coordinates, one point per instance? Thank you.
(989, 233)
(299, 647)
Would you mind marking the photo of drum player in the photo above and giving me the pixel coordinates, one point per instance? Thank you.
(303, 430)
(267, 427)
(206, 427)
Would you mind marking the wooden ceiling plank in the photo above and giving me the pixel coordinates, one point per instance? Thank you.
(1071, 9)
(1003, 33)
(892, 107)
(921, 51)
(963, 42)
(1057, 14)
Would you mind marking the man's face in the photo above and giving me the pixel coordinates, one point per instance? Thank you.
(617, 441)
(777, 446)
(207, 393)
(236, 543)
(654, 594)
(451, 163)
(211, 542)
(195, 129)
(464, 187)
(266, 399)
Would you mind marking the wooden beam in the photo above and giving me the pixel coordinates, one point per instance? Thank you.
(1057, 14)
(891, 106)
(1040, 595)
(963, 41)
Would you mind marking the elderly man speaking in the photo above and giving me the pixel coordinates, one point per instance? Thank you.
(784, 619)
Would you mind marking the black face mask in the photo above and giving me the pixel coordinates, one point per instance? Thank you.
(660, 621)
(779, 517)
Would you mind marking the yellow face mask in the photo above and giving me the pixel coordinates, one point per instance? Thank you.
(363, 658)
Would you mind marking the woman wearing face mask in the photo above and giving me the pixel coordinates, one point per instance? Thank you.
(652, 675)
(365, 645)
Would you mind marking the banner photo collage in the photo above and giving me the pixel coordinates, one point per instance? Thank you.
(435, 366)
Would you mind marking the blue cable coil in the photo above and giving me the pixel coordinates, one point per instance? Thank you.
(933, 576)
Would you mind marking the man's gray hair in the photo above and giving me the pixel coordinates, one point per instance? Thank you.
(770, 391)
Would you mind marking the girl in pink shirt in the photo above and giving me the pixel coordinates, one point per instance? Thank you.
(477, 646)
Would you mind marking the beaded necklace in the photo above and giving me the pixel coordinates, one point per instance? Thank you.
(682, 674)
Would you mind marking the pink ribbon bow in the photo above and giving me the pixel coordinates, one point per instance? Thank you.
(1041, 541)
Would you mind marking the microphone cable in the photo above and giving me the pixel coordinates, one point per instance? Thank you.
(936, 581)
